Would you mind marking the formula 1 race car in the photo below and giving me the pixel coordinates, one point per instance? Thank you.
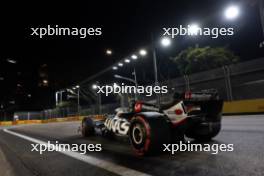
(196, 115)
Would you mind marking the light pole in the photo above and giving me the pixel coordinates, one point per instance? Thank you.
(72, 91)
(261, 12)
(155, 67)
(165, 41)
(99, 98)
(78, 99)
(127, 79)
(130, 80)
(58, 97)
(135, 77)
(61, 96)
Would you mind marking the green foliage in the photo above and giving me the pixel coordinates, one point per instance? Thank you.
(196, 59)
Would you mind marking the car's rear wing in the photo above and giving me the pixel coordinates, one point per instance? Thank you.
(208, 102)
(203, 95)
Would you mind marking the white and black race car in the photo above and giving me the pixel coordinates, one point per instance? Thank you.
(195, 115)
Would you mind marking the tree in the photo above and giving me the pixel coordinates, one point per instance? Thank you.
(195, 59)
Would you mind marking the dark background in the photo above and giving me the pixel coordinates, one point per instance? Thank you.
(126, 26)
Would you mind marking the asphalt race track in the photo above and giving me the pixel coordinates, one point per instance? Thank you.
(117, 158)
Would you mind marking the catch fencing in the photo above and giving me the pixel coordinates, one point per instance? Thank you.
(234, 82)
(240, 81)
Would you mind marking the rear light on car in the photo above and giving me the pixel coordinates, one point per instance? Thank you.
(188, 95)
(178, 112)
(138, 107)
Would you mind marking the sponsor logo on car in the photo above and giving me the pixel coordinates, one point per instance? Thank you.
(117, 125)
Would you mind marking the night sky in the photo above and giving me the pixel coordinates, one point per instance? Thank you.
(126, 26)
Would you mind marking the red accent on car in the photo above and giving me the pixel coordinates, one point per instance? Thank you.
(178, 112)
(138, 107)
(145, 148)
(188, 95)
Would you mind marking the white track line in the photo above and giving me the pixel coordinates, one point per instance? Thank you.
(106, 165)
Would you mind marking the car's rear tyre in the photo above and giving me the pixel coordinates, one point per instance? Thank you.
(147, 135)
(204, 131)
(87, 127)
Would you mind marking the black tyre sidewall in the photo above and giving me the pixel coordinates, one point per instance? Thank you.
(87, 127)
(139, 148)
(156, 133)
(196, 134)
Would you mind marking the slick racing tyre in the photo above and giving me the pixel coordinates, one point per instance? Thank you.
(87, 127)
(204, 131)
(147, 136)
